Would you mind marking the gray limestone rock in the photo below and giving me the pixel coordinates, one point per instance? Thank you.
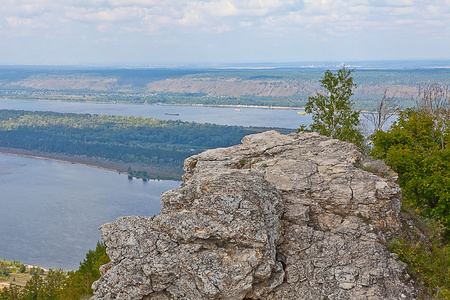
(297, 216)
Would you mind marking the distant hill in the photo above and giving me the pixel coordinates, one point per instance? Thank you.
(276, 87)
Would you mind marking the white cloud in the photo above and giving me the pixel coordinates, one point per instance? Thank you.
(16, 21)
(260, 7)
(222, 28)
(141, 3)
(27, 23)
(234, 14)
(390, 3)
(192, 17)
(104, 15)
(245, 24)
(264, 22)
(201, 12)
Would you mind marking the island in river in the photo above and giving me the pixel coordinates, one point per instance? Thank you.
(141, 147)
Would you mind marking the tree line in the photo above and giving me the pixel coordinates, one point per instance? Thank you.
(131, 85)
(135, 140)
(58, 284)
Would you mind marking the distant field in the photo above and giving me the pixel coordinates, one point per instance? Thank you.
(268, 87)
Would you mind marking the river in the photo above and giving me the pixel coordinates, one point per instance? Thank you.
(50, 211)
(243, 116)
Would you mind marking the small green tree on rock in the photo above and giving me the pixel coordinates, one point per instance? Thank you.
(331, 109)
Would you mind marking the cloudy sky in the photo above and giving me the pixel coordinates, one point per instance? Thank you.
(221, 31)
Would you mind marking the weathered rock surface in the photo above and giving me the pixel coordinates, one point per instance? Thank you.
(277, 217)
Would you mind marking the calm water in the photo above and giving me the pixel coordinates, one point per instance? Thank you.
(50, 211)
(258, 117)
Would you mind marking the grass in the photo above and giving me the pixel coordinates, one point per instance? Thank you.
(11, 272)
(17, 278)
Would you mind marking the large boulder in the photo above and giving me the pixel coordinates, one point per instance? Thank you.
(278, 217)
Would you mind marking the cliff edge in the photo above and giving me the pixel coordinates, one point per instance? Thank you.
(276, 217)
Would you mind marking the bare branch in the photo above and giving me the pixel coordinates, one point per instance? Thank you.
(385, 110)
(434, 98)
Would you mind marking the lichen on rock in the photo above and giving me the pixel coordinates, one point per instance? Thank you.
(276, 217)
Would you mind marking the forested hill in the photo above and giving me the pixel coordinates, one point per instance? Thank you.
(289, 87)
(134, 140)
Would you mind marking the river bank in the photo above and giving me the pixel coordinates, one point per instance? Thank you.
(71, 99)
(154, 172)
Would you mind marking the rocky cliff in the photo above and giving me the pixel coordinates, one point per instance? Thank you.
(277, 217)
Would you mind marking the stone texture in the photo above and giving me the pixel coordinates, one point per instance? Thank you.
(278, 217)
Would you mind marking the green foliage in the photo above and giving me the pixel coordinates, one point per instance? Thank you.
(136, 140)
(11, 293)
(81, 280)
(15, 263)
(33, 288)
(59, 285)
(22, 268)
(418, 150)
(3, 271)
(36, 270)
(54, 285)
(427, 261)
(131, 84)
(332, 111)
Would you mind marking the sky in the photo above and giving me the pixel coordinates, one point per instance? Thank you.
(158, 32)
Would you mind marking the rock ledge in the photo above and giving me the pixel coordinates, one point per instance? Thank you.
(276, 217)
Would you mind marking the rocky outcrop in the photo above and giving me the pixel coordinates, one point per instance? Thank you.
(278, 217)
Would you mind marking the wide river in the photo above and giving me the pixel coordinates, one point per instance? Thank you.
(50, 211)
(245, 116)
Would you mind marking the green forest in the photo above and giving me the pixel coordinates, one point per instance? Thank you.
(134, 140)
(417, 147)
(54, 284)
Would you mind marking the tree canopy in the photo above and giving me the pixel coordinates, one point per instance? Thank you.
(331, 108)
(133, 140)
(57, 284)
(417, 147)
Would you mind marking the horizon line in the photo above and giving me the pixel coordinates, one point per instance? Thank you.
(362, 64)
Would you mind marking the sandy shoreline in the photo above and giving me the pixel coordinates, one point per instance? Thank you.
(163, 104)
(95, 162)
